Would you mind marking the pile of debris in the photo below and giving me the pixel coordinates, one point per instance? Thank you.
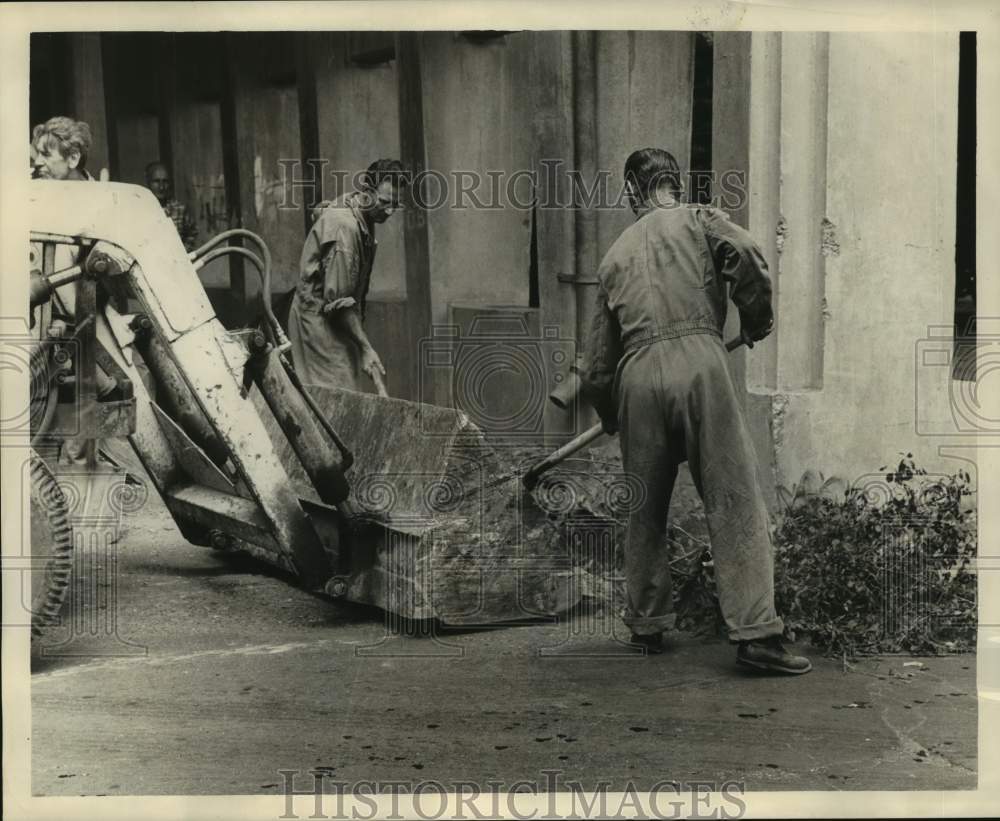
(589, 497)
(440, 525)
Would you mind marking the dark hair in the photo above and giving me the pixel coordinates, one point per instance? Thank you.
(67, 134)
(382, 170)
(150, 167)
(649, 168)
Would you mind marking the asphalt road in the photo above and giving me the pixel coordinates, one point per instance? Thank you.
(209, 675)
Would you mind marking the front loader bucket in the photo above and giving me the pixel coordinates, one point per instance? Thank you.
(438, 525)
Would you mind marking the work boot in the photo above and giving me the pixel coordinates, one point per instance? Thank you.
(651, 643)
(771, 655)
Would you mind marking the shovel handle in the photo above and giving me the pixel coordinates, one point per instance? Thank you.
(379, 383)
(530, 479)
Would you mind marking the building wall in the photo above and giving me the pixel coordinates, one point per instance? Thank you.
(474, 121)
(140, 132)
(87, 94)
(644, 93)
(358, 123)
(275, 135)
(881, 248)
(199, 180)
(192, 87)
(849, 141)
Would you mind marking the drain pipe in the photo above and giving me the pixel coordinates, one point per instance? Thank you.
(585, 161)
(586, 252)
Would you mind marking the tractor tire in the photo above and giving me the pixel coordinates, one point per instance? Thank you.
(51, 548)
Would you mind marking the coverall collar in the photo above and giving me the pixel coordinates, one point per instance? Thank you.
(649, 206)
(351, 201)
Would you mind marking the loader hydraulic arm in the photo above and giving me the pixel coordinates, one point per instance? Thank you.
(192, 420)
(246, 457)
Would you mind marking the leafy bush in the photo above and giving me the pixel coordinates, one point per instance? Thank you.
(884, 566)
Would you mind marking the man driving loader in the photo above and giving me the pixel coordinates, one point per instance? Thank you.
(656, 370)
(59, 149)
(326, 319)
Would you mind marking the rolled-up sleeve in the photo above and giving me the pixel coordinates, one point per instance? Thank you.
(600, 360)
(340, 275)
(742, 265)
(339, 266)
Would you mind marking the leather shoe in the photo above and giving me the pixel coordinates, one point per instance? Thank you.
(651, 643)
(770, 654)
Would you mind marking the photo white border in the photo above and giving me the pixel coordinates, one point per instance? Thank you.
(18, 20)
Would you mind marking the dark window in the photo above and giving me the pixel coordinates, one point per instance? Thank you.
(371, 48)
(964, 363)
(49, 76)
(533, 295)
(700, 177)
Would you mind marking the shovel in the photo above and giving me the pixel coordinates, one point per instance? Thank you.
(530, 479)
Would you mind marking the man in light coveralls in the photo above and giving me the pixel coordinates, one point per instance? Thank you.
(656, 370)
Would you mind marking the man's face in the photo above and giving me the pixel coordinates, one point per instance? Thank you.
(50, 164)
(385, 201)
(159, 183)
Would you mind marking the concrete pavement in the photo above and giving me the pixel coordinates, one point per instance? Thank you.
(226, 673)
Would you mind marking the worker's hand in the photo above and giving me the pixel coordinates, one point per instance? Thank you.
(749, 337)
(609, 423)
(602, 400)
(339, 304)
(371, 364)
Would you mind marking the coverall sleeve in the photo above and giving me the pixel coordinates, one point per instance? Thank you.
(339, 266)
(340, 277)
(742, 265)
(600, 361)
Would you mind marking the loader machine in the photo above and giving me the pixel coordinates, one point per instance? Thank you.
(376, 500)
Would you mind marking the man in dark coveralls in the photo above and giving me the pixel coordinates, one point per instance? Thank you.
(325, 322)
(656, 370)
